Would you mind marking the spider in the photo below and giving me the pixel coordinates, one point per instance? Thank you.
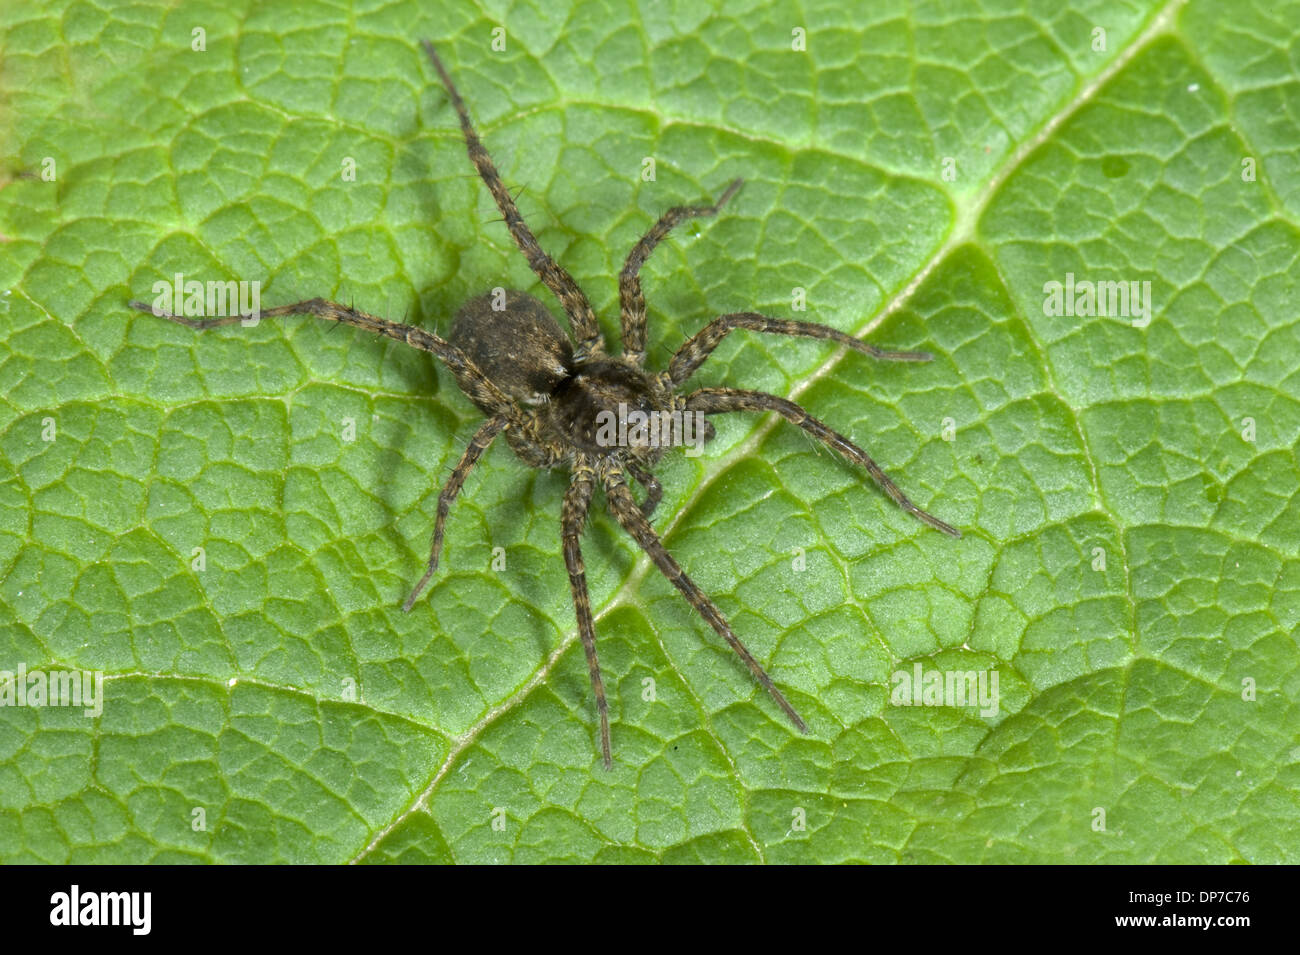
(551, 397)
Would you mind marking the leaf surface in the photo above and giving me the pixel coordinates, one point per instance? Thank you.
(1130, 496)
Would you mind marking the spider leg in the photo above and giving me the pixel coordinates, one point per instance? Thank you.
(477, 445)
(654, 491)
(585, 328)
(472, 381)
(625, 511)
(717, 400)
(697, 349)
(577, 500)
(631, 301)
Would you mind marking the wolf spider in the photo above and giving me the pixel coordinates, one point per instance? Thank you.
(547, 395)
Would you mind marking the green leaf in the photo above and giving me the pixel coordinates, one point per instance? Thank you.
(1130, 495)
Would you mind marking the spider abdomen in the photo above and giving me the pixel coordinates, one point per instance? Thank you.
(512, 338)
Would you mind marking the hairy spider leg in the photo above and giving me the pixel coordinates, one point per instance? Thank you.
(577, 501)
(697, 349)
(585, 327)
(625, 511)
(654, 491)
(719, 400)
(477, 445)
(631, 301)
(472, 381)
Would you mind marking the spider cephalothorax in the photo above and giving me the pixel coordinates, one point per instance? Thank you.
(563, 402)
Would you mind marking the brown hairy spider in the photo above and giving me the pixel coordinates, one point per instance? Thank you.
(552, 399)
